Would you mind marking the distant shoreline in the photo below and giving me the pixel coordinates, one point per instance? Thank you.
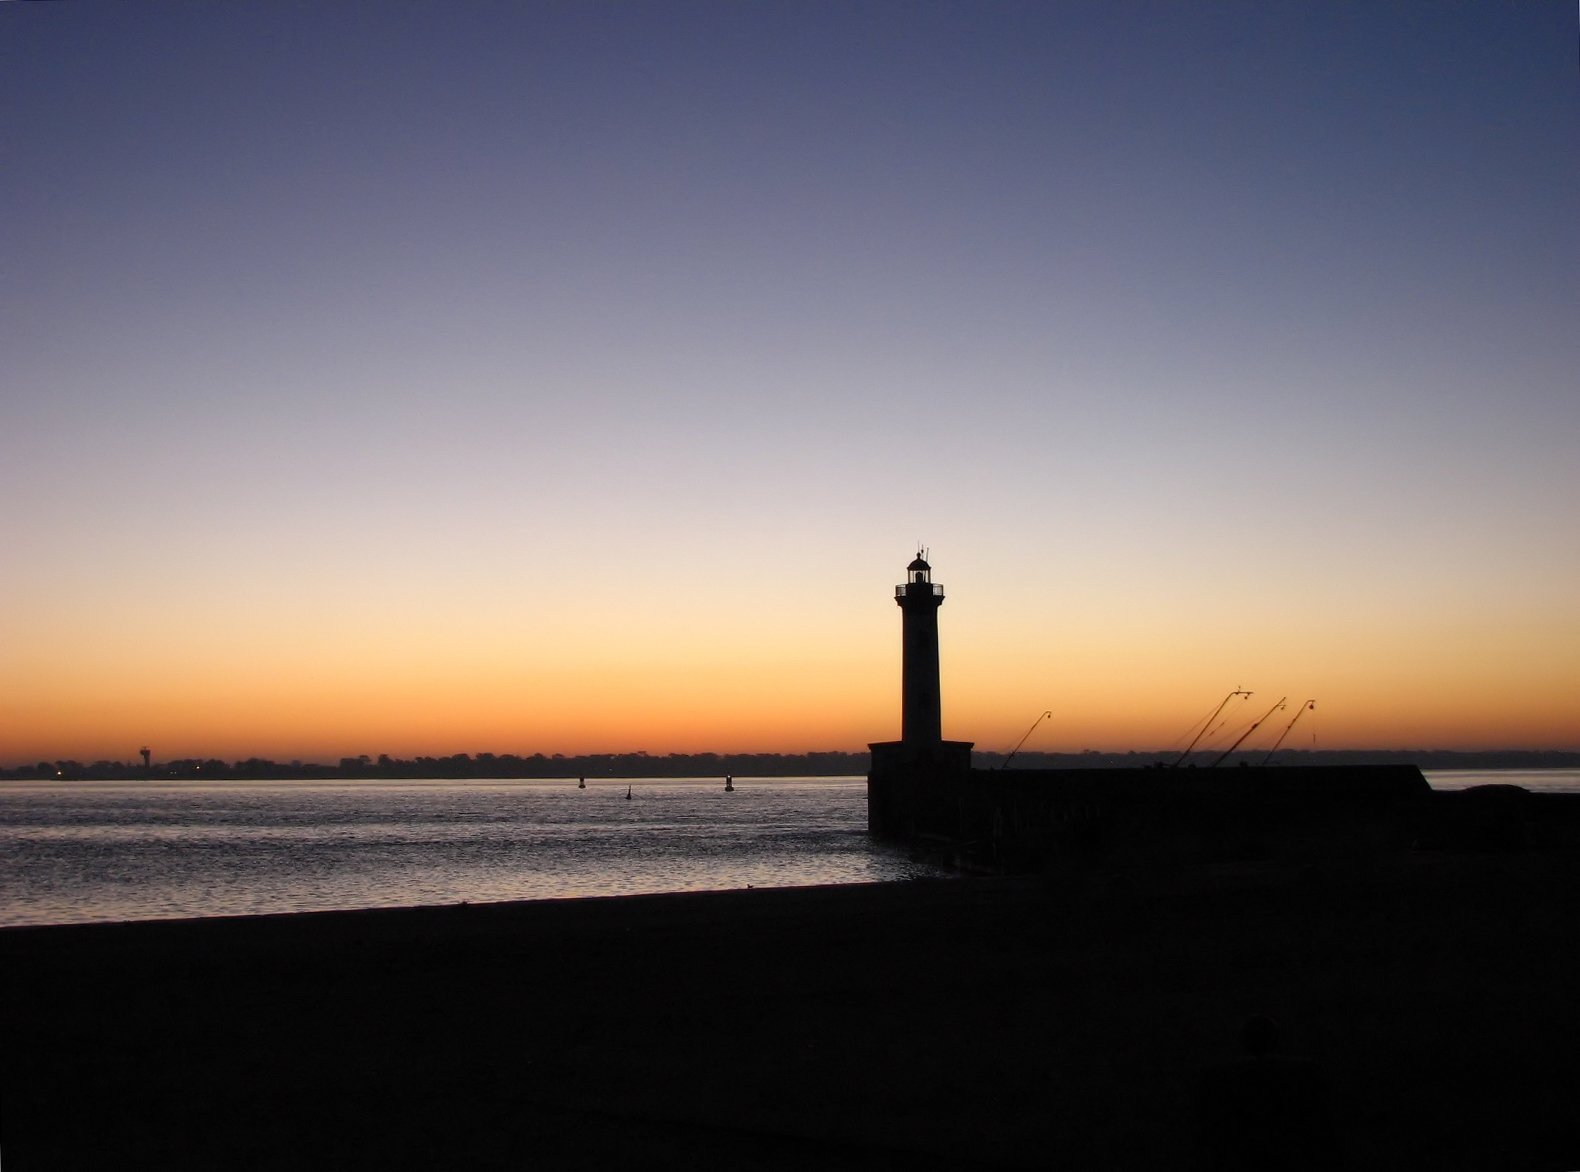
(816, 764)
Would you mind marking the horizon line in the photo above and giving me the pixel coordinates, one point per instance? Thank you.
(374, 761)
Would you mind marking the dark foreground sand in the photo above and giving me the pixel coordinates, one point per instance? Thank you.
(976, 1023)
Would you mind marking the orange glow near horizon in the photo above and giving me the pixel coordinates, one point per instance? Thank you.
(685, 656)
(475, 686)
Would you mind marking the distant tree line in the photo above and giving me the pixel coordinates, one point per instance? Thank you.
(824, 764)
(480, 765)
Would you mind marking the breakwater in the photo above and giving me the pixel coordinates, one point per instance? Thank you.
(1023, 820)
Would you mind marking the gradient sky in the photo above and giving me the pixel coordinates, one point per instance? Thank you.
(448, 375)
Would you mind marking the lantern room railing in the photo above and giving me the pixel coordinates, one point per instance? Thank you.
(905, 589)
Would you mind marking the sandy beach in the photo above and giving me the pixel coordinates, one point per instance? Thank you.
(1065, 1021)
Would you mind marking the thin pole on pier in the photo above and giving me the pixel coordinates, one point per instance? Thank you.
(1308, 704)
(1248, 732)
(1005, 763)
(1208, 724)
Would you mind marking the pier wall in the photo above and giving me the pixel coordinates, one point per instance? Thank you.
(1017, 821)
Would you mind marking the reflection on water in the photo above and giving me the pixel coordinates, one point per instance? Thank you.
(137, 850)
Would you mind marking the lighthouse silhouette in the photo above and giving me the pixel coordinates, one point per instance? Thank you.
(921, 770)
(921, 712)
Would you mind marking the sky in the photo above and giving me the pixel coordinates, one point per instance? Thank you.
(435, 376)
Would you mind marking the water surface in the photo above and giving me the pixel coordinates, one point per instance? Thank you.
(94, 851)
(75, 852)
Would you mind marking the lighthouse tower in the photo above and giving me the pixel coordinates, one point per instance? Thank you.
(915, 777)
(919, 597)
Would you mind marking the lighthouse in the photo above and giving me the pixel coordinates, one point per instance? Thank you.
(921, 773)
(919, 597)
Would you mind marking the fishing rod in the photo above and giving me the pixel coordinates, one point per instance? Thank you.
(1309, 704)
(1248, 732)
(1210, 719)
(1005, 763)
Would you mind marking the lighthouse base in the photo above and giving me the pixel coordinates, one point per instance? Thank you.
(913, 788)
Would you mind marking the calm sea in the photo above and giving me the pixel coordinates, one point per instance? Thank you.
(82, 852)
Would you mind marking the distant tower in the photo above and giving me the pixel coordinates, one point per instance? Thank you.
(919, 597)
(147, 753)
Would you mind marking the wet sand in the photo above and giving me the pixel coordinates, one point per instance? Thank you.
(1062, 1022)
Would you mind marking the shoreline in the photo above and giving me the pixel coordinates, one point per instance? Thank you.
(948, 1023)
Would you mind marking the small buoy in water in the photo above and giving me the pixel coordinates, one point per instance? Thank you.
(628, 793)
(729, 785)
(582, 784)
